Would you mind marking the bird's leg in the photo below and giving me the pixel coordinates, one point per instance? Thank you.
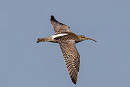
(91, 39)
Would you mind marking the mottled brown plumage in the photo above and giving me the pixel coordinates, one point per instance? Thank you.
(66, 40)
(71, 57)
(59, 27)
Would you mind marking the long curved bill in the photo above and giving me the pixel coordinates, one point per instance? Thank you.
(91, 39)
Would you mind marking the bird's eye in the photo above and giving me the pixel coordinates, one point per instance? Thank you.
(83, 37)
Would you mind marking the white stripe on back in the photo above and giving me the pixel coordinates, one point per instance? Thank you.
(57, 35)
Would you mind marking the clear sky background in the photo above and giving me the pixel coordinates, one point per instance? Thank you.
(24, 63)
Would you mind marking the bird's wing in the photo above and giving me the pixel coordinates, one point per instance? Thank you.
(58, 27)
(71, 57)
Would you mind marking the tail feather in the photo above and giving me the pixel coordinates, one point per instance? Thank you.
(43, 40)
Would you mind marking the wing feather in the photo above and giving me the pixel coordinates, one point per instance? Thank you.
(58, 27)
(72, 58)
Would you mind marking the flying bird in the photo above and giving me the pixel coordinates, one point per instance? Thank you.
(66, 40)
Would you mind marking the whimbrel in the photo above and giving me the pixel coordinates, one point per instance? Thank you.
(66, 40)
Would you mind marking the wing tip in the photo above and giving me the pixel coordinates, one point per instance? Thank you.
(74, 81)
(52, 18)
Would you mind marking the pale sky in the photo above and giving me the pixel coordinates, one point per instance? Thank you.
(24, 63)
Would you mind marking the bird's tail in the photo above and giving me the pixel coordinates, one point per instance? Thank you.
(43, 39)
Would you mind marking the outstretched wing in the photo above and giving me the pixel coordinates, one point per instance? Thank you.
(58, 27)
(71, 57)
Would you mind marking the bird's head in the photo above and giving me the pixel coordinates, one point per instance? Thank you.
(82, 37)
